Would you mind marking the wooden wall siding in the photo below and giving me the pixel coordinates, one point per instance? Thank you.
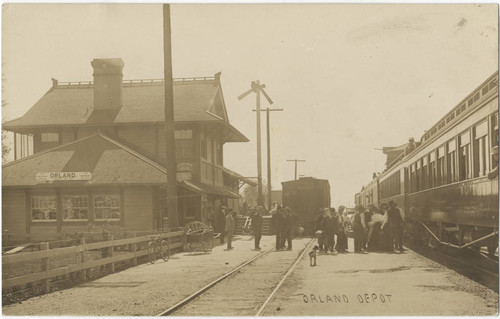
(14, 211)
(138, 208)
(41, 232)
(142, 137)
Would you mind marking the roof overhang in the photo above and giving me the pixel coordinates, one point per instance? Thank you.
(238, 176)
(202, 188)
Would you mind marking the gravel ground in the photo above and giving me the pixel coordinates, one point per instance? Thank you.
(380, 284)
(243, 293)
(144, 290)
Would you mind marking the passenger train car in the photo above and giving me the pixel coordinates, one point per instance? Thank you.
(447, 187)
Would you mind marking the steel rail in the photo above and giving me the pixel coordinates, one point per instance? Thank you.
(290, 270)
(210, 285)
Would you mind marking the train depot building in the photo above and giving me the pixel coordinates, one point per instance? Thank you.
(93, 152)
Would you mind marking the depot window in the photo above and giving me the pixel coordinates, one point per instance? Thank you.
(43, 208)
(49, 137)
(107, 207)
(75, 207)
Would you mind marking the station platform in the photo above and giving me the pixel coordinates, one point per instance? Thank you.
(340, 285)
(380, 284)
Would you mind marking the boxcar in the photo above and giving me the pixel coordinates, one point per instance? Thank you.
(306, 196)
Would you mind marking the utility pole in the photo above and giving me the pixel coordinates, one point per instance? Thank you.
(269, 155)
(173, 218)
(295, 160)
(258, 88)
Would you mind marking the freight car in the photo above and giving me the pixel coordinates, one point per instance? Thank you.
(447, 184)
(305, 197)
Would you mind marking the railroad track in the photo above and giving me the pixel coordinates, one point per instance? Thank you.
(472, 264)
(252, 273)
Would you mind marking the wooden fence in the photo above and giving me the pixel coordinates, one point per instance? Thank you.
(136, 247)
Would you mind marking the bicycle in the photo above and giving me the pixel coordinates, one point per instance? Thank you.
(158, 247)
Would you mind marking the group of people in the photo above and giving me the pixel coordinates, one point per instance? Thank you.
(283, 224)
(329, 223)
(374, 229)
(378, 228)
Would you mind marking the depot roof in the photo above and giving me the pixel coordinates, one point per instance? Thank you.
(72, 103)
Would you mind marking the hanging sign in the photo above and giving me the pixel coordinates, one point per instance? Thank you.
(63, 176)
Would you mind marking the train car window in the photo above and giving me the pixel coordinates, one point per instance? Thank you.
(464, 162)
(440, 179)
(494, 141)
(476, 96)
(413, 179)
(493, 84)
(423, 174)
(432, 170)
(471, 100)
(485, 89)
(480, 149)
(451, 160)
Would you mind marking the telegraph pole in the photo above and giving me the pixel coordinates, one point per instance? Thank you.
(260, 199)
(258, 88)
(269, 154)
(295, 160)
(173, 218)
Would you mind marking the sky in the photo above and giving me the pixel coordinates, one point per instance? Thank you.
(351, 78)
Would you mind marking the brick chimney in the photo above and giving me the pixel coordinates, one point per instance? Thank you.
(108, 76)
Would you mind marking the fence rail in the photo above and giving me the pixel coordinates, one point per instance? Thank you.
(79, 252)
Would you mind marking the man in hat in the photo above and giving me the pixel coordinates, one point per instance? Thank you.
(359, 229)
(221, 223)
(257, 225)
(229, 228)
(396, 226)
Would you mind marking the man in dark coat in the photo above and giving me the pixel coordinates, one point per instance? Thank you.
(359, 228)
(221, 223)
(396, 226)
(288, 227)
(277, 226)
(257, 226)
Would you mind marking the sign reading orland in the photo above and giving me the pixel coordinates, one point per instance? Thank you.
(48, 177)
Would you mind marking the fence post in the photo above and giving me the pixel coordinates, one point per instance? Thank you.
(111, 253)
(133, 248)
(45, 267)
(82, 258)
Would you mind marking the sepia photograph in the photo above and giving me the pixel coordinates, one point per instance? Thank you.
(250, 159)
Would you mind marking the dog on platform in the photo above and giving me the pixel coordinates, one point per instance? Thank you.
(312, 256)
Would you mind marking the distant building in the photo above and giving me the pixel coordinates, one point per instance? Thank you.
(88, 152)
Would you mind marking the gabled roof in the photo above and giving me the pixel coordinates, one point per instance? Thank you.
(108, 161)
(195, 100)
